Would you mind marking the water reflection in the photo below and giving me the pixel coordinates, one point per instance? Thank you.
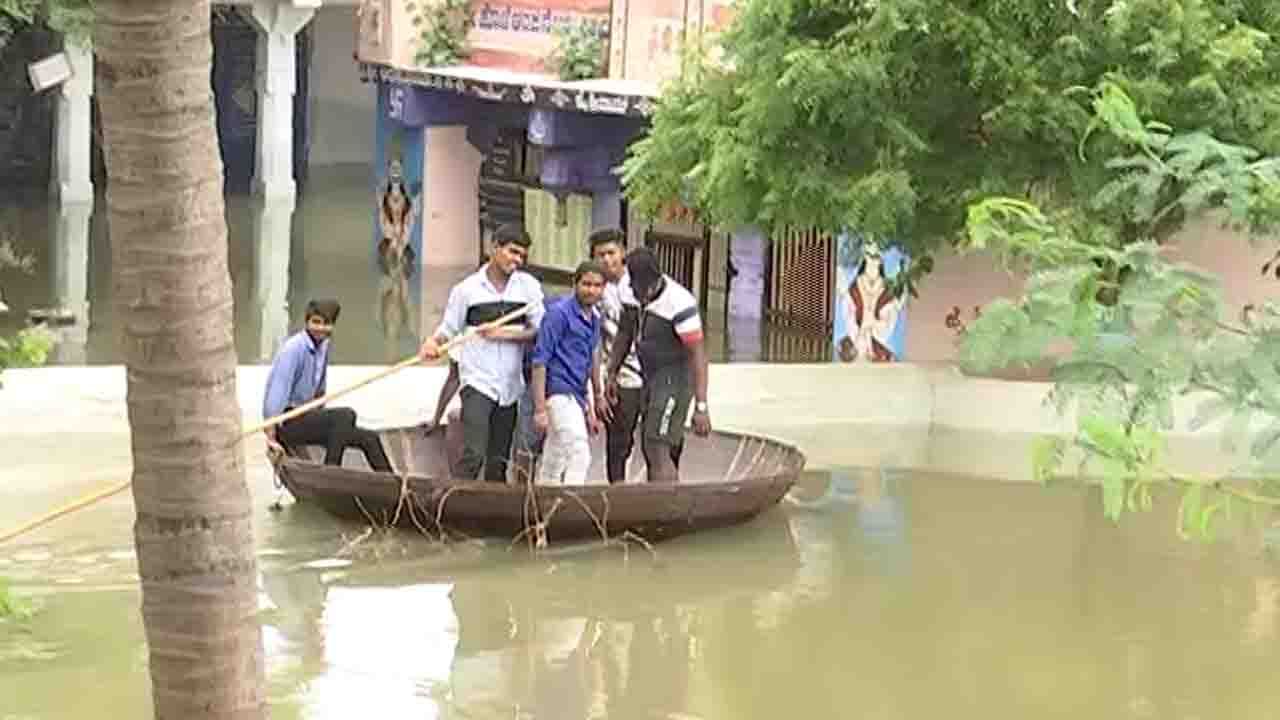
(68, 270)
(272, 236)
(870, 593)
(587, 633)
(283, 252)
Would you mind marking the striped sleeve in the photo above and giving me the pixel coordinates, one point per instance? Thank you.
(688, 325)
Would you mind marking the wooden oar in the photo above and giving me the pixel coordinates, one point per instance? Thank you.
(90, 499)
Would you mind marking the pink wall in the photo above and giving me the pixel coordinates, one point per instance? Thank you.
(976, 279)
(451, 176)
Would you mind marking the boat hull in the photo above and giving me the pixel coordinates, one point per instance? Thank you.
(725, 479)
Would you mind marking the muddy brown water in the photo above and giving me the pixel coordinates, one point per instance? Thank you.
(868, 594)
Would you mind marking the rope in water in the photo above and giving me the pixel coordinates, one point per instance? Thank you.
(107, 492)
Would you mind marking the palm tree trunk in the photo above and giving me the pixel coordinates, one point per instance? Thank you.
(172, 292)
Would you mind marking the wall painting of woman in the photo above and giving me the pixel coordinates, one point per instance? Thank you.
(869, 316)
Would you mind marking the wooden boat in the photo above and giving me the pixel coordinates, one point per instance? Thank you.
(725, 479)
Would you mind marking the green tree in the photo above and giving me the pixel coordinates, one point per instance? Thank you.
(1020, 126)
(893, 116)
(1134, 330)
(72, 18)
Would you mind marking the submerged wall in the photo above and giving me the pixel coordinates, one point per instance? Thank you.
(899, 416)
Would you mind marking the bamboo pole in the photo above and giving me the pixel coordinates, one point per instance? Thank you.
(107, 492)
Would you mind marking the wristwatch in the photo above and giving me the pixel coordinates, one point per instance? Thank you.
(700, 406)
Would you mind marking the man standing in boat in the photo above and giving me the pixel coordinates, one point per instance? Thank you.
(299, 374)
(608, 248)
(662, 317)
(490, 367)
(566, 364)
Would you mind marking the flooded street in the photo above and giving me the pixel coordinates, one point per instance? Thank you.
(873, 594)
(330, 253)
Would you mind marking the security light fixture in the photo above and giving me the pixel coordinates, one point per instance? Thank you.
(49, 72)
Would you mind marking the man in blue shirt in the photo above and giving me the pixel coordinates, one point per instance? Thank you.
(565, 358)
(299, 373)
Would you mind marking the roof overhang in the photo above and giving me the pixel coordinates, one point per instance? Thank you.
(603, 96)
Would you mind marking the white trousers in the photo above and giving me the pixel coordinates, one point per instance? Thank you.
(566, 453)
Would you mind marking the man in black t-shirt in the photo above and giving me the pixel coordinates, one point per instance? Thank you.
(662, 317)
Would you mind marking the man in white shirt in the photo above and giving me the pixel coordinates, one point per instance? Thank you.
(490, 366)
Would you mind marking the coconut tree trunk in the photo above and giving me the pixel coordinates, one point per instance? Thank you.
(172, 294)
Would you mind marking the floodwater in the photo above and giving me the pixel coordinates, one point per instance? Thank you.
(867, 594)
(324, 249)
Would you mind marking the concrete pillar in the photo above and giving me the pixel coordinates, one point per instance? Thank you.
(272, 231)
(278, 23)
(748, 251)
(69, 268)
(73, 129)
(450, 196)
(606, 209)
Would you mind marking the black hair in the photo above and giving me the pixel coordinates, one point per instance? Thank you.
(587, 267)
(642, 265)
(604, 236)
(327, 308)
(511, 234)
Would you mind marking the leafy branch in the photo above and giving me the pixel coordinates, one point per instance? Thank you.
(1128, 330)
(580, 51)
(442, 27)
(70, 18)
(13, 607)
(31, 346)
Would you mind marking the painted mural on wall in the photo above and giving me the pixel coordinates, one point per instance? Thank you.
(870, 321)
(397, 226)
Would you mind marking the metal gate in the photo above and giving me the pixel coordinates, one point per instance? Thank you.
(802, 280)
(684, 258)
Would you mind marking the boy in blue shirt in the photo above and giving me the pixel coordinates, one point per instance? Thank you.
(565, 359)
(299, 373)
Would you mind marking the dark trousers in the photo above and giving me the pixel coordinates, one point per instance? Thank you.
(486, 436)
(334, 429)
(620, 433)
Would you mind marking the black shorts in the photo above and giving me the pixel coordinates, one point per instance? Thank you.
(667, 397)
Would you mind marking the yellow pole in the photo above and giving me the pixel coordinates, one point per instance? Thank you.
(270, 422)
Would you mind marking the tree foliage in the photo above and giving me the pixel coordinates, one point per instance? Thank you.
(14, 607)
(579, 53)
(72, 18)
(893, 116)
(29, 347)
(1020, 126)
(1131, 330)
(441, 27)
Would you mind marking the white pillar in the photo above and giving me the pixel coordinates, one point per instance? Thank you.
(278, 23)
(73, 130)
(70, 271)
(272, 230)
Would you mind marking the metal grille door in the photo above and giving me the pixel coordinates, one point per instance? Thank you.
(802, 280)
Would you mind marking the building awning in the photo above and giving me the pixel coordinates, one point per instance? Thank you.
(602, 96)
